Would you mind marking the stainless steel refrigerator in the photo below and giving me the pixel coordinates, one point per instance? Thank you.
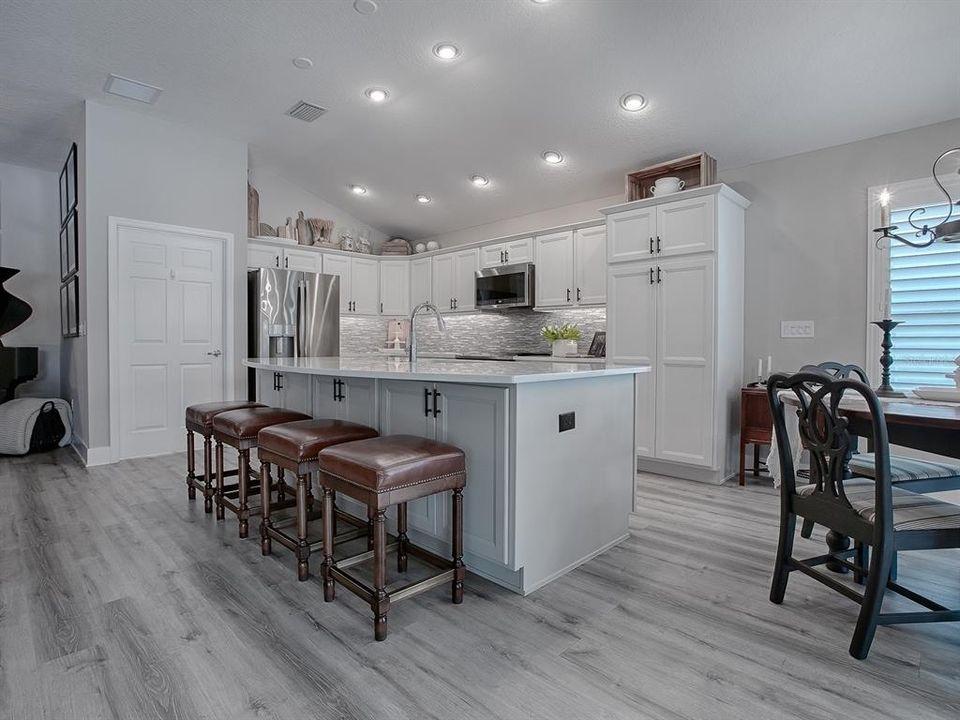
(291, 314)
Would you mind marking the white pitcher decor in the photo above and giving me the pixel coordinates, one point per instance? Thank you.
(563, 338)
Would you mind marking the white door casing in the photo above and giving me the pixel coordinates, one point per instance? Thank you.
(169, 346)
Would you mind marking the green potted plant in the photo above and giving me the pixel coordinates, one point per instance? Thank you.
(563, 338)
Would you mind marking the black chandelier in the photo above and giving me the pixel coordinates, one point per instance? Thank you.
(946, 230)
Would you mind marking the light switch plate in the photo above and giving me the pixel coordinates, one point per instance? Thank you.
(796, 328)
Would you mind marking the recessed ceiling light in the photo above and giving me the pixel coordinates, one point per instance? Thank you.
(132, 89)
(423, 199)
(633, 102)
(365, 7)
(446, 51)
(358, 190)
(552, 157)
(377, 95)
(304, 63)
(480, 180)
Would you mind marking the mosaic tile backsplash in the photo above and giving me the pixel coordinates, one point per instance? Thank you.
(480, 333)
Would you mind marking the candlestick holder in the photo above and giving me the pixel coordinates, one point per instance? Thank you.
(886, 359)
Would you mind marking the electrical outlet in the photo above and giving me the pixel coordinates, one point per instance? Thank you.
(568, 421)
(796, 328)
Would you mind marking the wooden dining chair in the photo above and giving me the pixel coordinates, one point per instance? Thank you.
(874, 513)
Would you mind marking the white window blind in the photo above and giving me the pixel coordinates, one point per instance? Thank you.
(925, 296)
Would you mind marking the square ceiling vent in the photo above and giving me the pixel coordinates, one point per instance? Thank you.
(132, 89)
(308, 112)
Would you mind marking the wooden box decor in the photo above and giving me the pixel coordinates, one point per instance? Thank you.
(694, 170)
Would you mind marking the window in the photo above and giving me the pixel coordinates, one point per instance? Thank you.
(925, 296)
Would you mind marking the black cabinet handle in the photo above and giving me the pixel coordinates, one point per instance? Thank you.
(426, 402)
(381, 308)
(506, 256)
(455, 302)
(286, 262)
(279, 381)
(578, 294)
(651, 276)
(276, 259)
(658, 274)
(436, 403)
(651, 245)
(568, 294)
(338, 395)
(501, 256)
(451, 303)
(658, 244)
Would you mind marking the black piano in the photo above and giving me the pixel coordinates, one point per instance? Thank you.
(17, 364)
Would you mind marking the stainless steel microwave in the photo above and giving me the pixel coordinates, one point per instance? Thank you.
(505, 286)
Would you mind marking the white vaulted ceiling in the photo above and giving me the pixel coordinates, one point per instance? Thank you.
(744, 81)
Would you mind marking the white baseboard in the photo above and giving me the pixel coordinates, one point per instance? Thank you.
(91, 457)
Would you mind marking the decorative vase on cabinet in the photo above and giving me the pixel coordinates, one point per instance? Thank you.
(564, 348)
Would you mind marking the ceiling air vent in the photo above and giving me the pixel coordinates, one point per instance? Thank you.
(308, 112)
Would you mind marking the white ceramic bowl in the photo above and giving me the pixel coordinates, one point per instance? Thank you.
(433, 245)
(419, 248)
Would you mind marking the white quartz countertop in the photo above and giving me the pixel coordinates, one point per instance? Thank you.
(476, 372)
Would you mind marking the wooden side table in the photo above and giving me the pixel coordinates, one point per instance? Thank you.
(756, 425)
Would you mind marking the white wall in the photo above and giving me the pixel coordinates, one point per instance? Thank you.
(806, 241)
(280, 198)
(144, 168)
(563, 215)
(29, 241)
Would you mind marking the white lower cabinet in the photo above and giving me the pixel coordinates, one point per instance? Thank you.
(290, 391)
(353, 399)
(475, 419)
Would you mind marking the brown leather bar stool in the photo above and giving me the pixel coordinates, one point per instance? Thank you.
(381, 472)
(239, 428)
(294, 446)
(199, 419)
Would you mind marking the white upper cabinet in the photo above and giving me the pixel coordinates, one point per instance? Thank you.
(365, 286)
(554, 279)
(443, 282)
(304, 260)
(421, 281)
(685, 226)
(263, 256)
(590, 265)
(631, 235)
(340, 265)
(465, 265)
(394, 287)
(507, 253)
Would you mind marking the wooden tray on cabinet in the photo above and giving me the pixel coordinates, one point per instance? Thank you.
(695, 171)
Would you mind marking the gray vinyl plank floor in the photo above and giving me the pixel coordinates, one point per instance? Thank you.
(121, 599)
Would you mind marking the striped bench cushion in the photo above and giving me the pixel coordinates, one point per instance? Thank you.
(904, 469)
(911, 511)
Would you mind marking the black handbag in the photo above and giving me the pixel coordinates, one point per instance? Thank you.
(49, 429)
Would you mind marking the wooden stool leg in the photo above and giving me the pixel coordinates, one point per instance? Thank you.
(329, 587)
(281, 486)
(756, 459)
(266, 483)
(381, 601)
(243, 476)
(219, 495)
(371, 514)
(743, 462)
(303, 548)
(459, 572)
(310, 492)
(208, 491)
(402, 537)
(191, 467)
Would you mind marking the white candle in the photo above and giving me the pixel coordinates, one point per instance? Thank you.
(886, 304)
(885, 208)
(759, 367)
(769, 365)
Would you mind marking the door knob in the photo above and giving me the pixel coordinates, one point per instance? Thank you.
(215, 353)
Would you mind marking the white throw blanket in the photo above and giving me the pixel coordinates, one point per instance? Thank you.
(17, 418)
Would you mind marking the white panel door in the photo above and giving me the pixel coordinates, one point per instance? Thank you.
(365, 286)
(465, 265)
(443, 270)
(476, 419)
(421, 281)
(304, 260)
(554, 282)
(518, 251)
(685, 342)
(406, 409)
(590, 265)
(686, 226)
(340, 266)
(631, 235)
(170, 334)
(259, 256)
(394, 287)
(632, 338)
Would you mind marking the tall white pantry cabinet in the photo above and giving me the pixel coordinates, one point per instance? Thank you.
(675, 301)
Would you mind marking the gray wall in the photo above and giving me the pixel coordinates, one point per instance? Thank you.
(806, 241)
(29, 241)
(143, 168)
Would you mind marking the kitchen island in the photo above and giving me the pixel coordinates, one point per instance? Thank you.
(549, 448)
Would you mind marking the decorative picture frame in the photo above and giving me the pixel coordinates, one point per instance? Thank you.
(70, 308)
(598, 346)
(68, 247)
(71, 169)
(63, 195)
